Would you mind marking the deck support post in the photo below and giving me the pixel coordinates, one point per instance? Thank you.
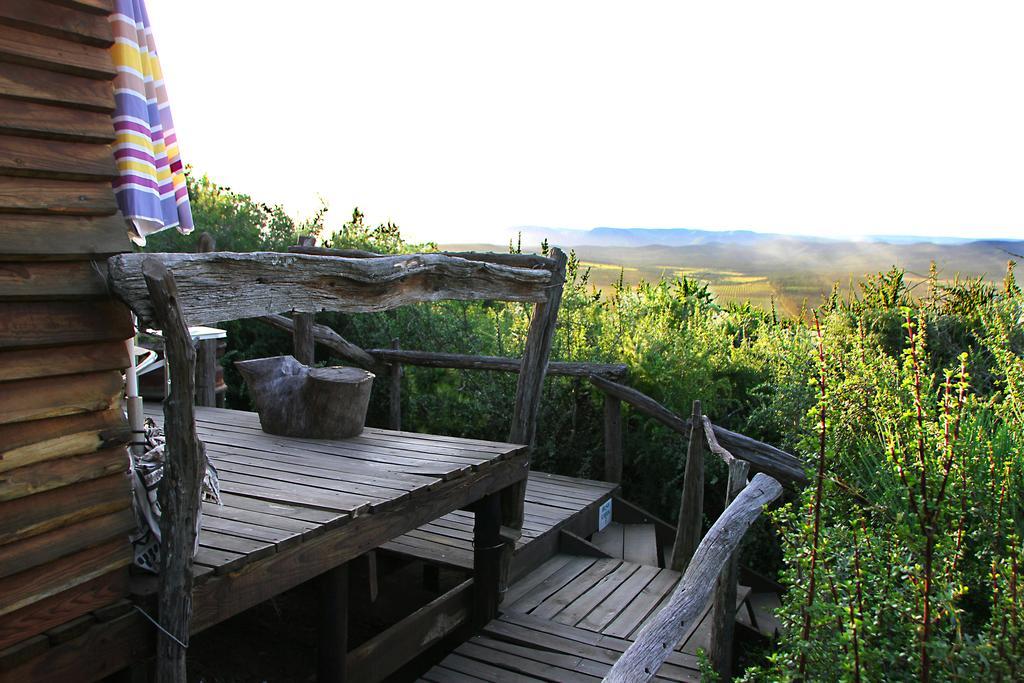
(180, 490)
(488, 549)
(395, 395)
(691, 505)
(206, 358)
(332, 645)
(723, 605)
(612, 439)
(304, 346)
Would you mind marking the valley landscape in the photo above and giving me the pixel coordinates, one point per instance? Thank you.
(763, 268)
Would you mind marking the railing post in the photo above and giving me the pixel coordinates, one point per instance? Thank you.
(723, 606)
(302, 334)
(395, 399)
(691, 506)
(612, 439)
(206, 356)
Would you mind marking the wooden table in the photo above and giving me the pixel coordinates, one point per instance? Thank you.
(296, 509)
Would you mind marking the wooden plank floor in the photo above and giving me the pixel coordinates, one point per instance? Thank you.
(279, 492)
(569, 620)
(552, 501)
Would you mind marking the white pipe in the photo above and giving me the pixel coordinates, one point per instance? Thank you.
(134, 401)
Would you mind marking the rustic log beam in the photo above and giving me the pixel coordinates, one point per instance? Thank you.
(612, 439)
(761, 456)
(180, 489)
(323, 334)
(461, 361)
(661, 635)
(723, 606)
(691, 504)
(530, 383)
(272, 282)
(515, 260)
(293, 399)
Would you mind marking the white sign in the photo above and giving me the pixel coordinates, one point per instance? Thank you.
(604, 515)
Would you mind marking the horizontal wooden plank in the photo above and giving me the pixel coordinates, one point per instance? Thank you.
(39, 583)
(32, 157)
(37, 550)
(27, 281)
(55, 54)
(62, 607)
(61, 197)
(67, 23)
(46, 238)
(42, 397)
(38, 85)
(63, 360)
(100, 7)
(24, 517)
(58, 323)
(25, 443)
(55, 122)
(52, 474)
(435, 359)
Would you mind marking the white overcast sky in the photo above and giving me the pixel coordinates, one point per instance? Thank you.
(462, 120)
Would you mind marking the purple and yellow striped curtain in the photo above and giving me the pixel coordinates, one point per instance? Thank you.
(150, 187)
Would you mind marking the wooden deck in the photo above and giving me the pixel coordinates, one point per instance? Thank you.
(293, 509)
(570, 620)
(553, 503)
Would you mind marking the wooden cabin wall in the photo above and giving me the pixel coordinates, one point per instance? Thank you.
(64, 495)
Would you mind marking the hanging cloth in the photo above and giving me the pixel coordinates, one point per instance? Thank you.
(150, 187)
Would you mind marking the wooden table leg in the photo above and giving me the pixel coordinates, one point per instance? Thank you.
(333, 632)
(487, 553)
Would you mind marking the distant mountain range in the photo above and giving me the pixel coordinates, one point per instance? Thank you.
(684, 237)
(763, 267)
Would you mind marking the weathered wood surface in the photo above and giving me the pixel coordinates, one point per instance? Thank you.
(691, 505)
(395, 390)
(530, 384)
(374, 660)
(656, 641)
(612, 439)
(58, 197)
(40, 85)
(514, 260)
(26, 281)
(51, 238)
(26, 443)
(55, 54)
(275, 282)
(25, 517)
(53, 122)
(294, 399)
(332, 633)
(487, 559)
(37, 158)
(762, 457)
(62, 360)
(303, 341)
(180, 492)
(723, 605)
(459, 361)
(60, 22)
(322, 334)
(58, 472)
(44, 397)
(55, 323)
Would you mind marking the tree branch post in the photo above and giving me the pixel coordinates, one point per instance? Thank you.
(181, 486)
(395, 392)
(691, 505)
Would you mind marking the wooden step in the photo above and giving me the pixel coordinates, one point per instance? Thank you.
(631, 542)
(763, 606)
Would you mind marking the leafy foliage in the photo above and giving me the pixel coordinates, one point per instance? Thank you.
(902, 564)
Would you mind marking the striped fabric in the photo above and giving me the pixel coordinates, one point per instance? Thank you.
(150, 186)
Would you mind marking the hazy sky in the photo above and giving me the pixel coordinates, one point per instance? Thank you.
(461, 120)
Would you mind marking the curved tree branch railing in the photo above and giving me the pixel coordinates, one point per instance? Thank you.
(657, 640)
